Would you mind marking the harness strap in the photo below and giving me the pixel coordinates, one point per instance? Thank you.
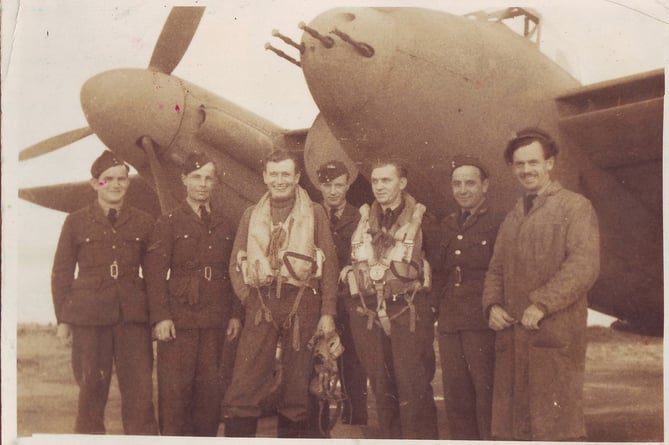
(381, 308)
(299, 256)
(365, 311)
(411, 307)
(263, 311)
(295, 323)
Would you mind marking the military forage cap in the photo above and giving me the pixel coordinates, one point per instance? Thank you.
(330, 171)
(460, 160)
(194, 161)
(106, 160)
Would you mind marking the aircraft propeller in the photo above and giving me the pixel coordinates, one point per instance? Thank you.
(54, 143)
(174, 39)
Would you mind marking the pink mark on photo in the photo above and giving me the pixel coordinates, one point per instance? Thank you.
(177, 108)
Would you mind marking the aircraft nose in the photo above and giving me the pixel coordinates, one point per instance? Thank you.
(345, 57)
(121, 106)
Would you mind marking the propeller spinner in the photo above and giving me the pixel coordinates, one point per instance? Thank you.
(174, 39)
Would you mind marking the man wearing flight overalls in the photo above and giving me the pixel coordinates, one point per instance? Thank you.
(193, 310)
(390, 314)
(284, 270)
(104, 307)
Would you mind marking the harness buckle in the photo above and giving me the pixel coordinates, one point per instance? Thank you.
(113, 270)
(207, 273)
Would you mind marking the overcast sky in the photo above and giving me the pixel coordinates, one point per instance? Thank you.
(55, 46)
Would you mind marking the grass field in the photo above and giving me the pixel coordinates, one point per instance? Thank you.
(623, 389)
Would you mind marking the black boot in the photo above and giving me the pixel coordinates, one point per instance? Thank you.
(288, 428)
(241, 427)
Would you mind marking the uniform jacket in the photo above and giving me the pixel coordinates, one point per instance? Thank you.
(322, 240)
(183, 245)
(88, 241)
(459, 268)
(342, 232)
(550, 257)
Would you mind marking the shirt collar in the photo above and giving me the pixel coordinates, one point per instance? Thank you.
(196, 206)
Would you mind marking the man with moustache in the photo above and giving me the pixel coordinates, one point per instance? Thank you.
(334, 181)
(284, 270)
(103, 307)
(546, 258)
(459, 264)
(194, 310)
(390, 314)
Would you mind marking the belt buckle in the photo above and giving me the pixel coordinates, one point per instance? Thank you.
(113, 270)
(207, 273)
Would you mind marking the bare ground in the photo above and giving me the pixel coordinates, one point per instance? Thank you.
(623, 389)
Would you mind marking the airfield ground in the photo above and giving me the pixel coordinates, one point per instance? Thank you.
(623, 389)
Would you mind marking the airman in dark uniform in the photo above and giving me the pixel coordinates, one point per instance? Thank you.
(192, 308)
(334, 181)
(460, 261)
(104, 307)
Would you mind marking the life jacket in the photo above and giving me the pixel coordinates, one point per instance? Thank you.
(283, 252)
(397, 261)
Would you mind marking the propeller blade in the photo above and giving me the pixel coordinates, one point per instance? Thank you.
(54, 143)
(160, 177)
(175, 37)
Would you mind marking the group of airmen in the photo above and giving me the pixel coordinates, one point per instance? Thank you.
(238, 312)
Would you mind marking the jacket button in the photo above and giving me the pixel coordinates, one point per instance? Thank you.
(210, 247)
(484, 242)
(458, 252)
(459, 237)
(114, 247)
(186, 236)
(88, 240)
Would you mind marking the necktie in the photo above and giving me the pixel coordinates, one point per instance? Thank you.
(529, 201)
(466, 214)
(112, 216)
(387, 221)
(204, 215)
(334, 219)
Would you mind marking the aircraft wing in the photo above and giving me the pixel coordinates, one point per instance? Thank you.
(75, 195)
(618, 125)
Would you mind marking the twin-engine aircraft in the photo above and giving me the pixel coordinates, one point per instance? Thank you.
(413, 83)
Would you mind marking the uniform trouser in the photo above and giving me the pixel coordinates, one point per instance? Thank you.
(190, 382)
(256, 368)
(94, 350)
(467, 365)
(400, 369)
(353, 377)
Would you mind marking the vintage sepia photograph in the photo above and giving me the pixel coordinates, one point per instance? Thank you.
(338, 220)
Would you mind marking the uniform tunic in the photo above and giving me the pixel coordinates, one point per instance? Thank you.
(106, 306)
(400, 366)
(353, 377)
(549, 257)
(255, 364)
(466, 344)
(198, 298)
